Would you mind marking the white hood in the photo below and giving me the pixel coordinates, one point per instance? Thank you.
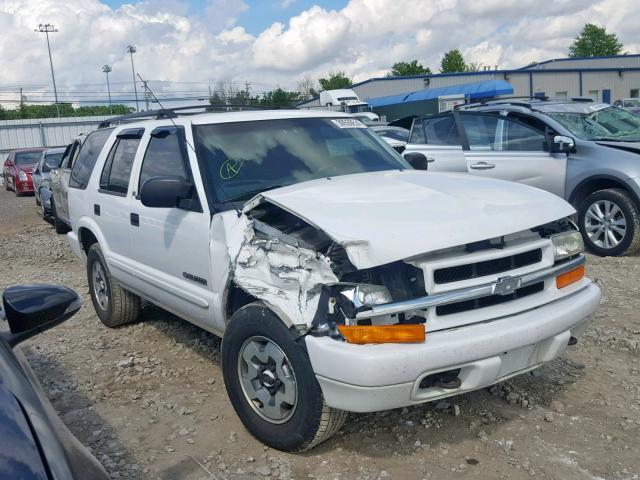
(387, 216)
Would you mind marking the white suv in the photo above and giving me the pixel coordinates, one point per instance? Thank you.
(339, 277)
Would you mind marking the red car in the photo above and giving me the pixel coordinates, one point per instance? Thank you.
(18, 167)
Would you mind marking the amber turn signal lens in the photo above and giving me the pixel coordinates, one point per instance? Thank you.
(362, 334)
(570, 277)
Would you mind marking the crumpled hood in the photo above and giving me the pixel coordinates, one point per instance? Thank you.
(383, 217)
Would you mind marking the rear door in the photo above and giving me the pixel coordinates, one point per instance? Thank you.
(499, 146)
(438, 138)
(170, 246)
(113, 202)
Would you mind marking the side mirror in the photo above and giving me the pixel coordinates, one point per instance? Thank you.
(417, 160)
(165, 192)
(563, 144)
(31, 309)
(8, 163)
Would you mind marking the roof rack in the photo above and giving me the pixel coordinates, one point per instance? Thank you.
(175, 112)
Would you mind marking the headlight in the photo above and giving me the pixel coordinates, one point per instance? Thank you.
(365, 295)
(567, 244)
(22, 176)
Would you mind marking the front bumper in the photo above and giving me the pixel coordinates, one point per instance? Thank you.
(367, 378)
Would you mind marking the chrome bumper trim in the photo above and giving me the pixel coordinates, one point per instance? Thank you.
(503, 286)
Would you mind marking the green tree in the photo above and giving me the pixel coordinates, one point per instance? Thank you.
(594, 41)
(453, 62)
(335, 80)
(66, 110)
(401, 69)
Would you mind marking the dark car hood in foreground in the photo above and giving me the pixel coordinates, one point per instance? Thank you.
(64, 455)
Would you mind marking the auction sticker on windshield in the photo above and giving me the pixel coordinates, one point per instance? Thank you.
(348, 123)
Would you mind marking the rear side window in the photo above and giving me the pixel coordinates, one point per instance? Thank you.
(83, 165)
(164, 156)
(117, 169)
(440, 131)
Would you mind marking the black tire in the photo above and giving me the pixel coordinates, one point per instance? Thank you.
(122, 307)
(629, 243)
(312, 421)
(59, 226)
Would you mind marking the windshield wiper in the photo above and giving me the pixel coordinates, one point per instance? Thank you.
(252, 193)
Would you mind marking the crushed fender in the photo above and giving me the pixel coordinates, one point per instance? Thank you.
(287, 278)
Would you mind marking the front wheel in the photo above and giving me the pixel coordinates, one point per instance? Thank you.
(58, 224)
(610, 223)
(271, 384)
(114, 305)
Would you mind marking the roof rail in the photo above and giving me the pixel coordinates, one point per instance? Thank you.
(174, 112)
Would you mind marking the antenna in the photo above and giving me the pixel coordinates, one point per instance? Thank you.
(189, 144)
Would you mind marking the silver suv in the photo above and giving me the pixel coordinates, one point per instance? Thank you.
(585, 152)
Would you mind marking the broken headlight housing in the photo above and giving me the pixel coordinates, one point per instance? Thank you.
(366, 295)
(567, 244)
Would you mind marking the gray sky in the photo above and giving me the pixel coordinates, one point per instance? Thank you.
(178, 42)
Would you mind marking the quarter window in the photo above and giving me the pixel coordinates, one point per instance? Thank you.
(117, 169)
(82, 166)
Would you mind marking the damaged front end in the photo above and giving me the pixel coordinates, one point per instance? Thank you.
(308, 279)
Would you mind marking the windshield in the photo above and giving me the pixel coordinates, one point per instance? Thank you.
(609, 123)
(357, 108)
(27, 158)
(241, 159)
(399, 134)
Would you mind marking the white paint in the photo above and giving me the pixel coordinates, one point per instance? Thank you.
(388, 216)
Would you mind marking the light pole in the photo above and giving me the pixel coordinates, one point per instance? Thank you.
(106, 69)
(47, 28)
(132, 49)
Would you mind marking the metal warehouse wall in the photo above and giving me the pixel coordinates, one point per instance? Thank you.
(382, 88)
(43, 132)
(621, 61)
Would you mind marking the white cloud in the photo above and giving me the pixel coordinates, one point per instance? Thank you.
(363, 39)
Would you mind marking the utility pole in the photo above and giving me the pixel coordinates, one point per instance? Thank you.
(21, 100)
(132, 49)
(147, 93)
(47, 28)
(107, 69)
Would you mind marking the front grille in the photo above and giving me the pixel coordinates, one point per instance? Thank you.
(487, 267)
(488, 301)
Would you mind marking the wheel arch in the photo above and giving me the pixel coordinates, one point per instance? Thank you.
(89, 233)
(596, 183)
(236, 297)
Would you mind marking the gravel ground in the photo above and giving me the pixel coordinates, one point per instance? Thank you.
(149, 400)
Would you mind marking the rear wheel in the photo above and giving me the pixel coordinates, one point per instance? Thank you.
(271, 383)
(114, 305)
(610, 223)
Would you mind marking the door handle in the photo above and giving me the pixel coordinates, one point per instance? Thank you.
(482, 166)
(135, 219)
(431, 159)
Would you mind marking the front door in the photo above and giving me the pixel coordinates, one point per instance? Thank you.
(438, 139)
(501, 147)
(170, 246)
(60, 180)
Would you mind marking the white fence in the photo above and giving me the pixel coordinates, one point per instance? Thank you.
(43, 132)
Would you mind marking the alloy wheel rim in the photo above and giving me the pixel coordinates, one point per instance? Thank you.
(100, 291)
(267, 379)
(605, 224)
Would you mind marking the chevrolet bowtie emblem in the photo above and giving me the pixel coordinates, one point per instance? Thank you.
(506, 285)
